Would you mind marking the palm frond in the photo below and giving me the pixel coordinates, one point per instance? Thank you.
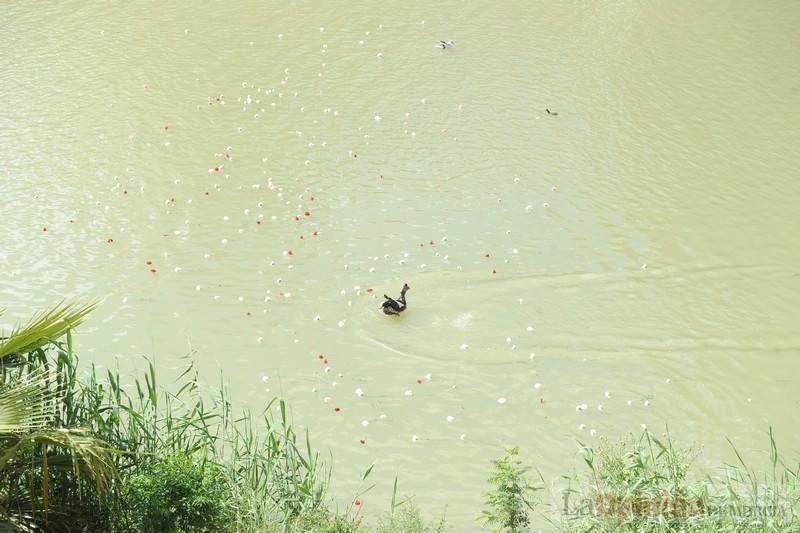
(76, 449)
(25, 406)
(46, 327)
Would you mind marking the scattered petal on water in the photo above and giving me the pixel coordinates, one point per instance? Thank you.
(581, 407)
(501, 401)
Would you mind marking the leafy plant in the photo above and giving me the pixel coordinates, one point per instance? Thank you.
(177, 494)
(50, 472)
(645, 484)
(511, 498)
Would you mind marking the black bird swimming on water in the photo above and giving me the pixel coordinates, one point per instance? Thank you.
(395, 307)
(551, 113)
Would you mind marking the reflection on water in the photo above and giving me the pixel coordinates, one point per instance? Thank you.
(248, 184)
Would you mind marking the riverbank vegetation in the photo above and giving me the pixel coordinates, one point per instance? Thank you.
(95, 451)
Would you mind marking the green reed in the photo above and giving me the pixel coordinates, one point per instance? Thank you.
(648, 484)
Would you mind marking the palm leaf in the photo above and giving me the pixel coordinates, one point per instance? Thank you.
(24, 406)
(44, 328)
(86, 456)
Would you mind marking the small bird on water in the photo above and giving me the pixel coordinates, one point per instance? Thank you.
(395, 307)
(551, 113)
(446, 44)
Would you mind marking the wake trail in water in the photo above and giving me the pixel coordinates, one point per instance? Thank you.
(392, 349)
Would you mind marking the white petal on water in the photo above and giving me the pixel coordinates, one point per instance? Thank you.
(647, 403)
(531, 356)
(463, 436)
(464, 346)
(364, 423)
(582, 427)
(630, 402)
(414, 438)
(260, 339)
(409, 392)
(501, 401)
(581, 407)
(592, 432)
(529, 328)
(537, 386)
(359, 392)
(450, 418)
(607, 394)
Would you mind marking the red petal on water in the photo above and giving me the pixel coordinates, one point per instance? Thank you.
(494, 271)
(301, 237)
(325, 361)
(296, 217)
(487, 254)
(258, 222)
(337, 409)
(148, 262)
(419, 382)
(357, 502)
(312, 198)
(307, 213)
(125, 191)
(421, 245)
(44, 228)
(289, 252)
(541, 400)
(249, 313)
(316, 233)
(109, 241)
(206, 193)
(430, 243)
(369, 290)
(321, 357)
(153, 270)
(362, 441)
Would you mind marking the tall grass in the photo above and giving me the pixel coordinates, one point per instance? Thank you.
(648, 484)
(274, 476)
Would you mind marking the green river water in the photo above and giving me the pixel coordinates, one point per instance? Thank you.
(283, 165)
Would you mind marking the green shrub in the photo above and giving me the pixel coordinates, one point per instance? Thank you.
(176, 494)
(408, 519)
(511, 498)
(644, 483)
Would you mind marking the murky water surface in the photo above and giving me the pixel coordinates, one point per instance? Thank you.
(246, 181)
